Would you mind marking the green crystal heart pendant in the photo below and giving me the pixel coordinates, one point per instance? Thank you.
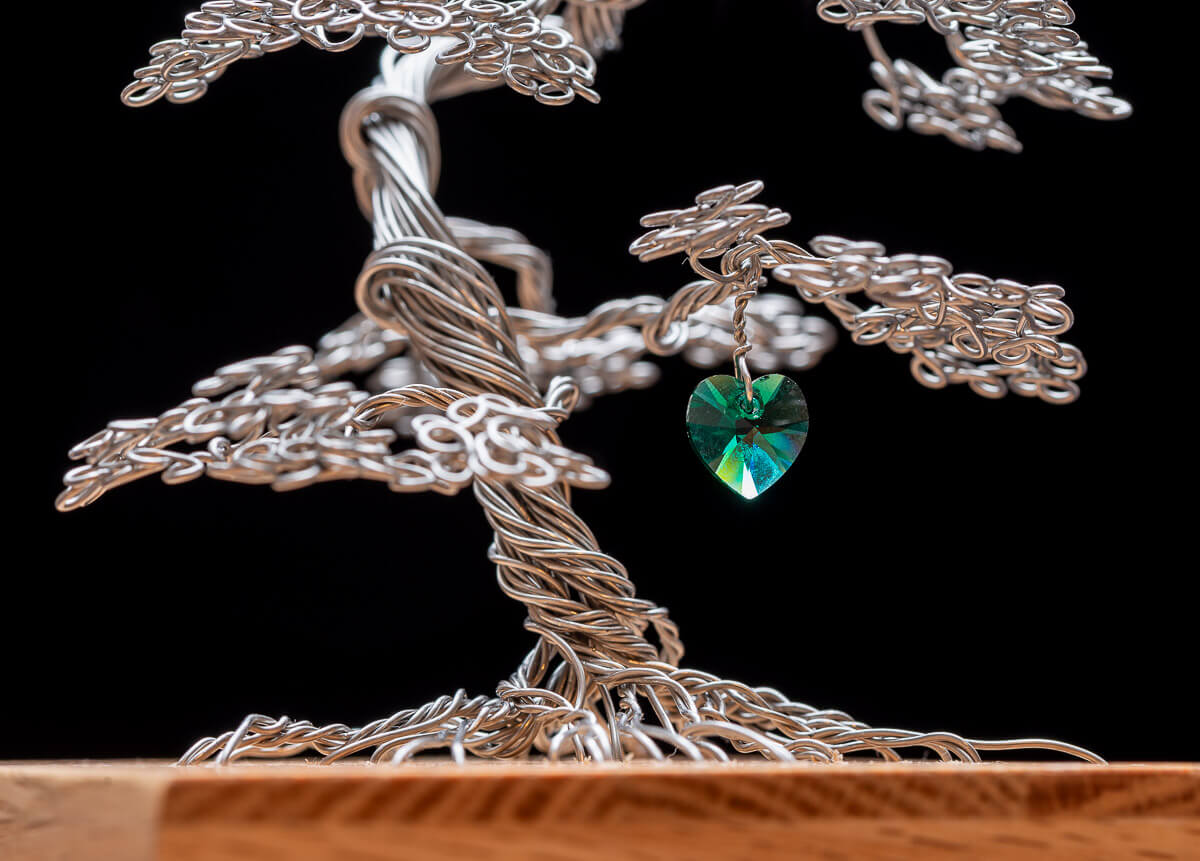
(748, 446)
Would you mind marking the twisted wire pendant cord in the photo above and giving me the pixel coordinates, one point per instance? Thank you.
(481, 387)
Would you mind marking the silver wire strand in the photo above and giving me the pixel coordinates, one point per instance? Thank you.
(482, 388)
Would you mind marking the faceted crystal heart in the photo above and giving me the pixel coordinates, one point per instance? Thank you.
(748, 446)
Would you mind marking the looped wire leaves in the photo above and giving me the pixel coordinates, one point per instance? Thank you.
(995, 335)
(282, 425)
(1002, 49)
(492, 39)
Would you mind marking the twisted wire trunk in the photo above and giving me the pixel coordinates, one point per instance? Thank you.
(580, 600)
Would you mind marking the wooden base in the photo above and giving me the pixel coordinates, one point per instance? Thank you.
(139, 811)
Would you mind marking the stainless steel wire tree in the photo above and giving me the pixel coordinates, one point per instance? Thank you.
(482, 387)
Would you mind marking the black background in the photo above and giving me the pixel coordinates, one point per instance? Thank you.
(933, 561)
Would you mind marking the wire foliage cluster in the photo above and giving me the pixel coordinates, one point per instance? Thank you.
(995, 335)
(283, 426)
(1002, 49)
(505, 40)
(485, 387)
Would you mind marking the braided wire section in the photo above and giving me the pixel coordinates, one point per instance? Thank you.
(1002, 49)
(482, 387)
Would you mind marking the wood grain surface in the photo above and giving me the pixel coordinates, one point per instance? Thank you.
(126, 811)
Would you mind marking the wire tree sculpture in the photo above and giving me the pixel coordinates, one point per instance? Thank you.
(481, 387)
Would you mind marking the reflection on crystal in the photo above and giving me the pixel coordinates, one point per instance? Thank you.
(747, 446)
